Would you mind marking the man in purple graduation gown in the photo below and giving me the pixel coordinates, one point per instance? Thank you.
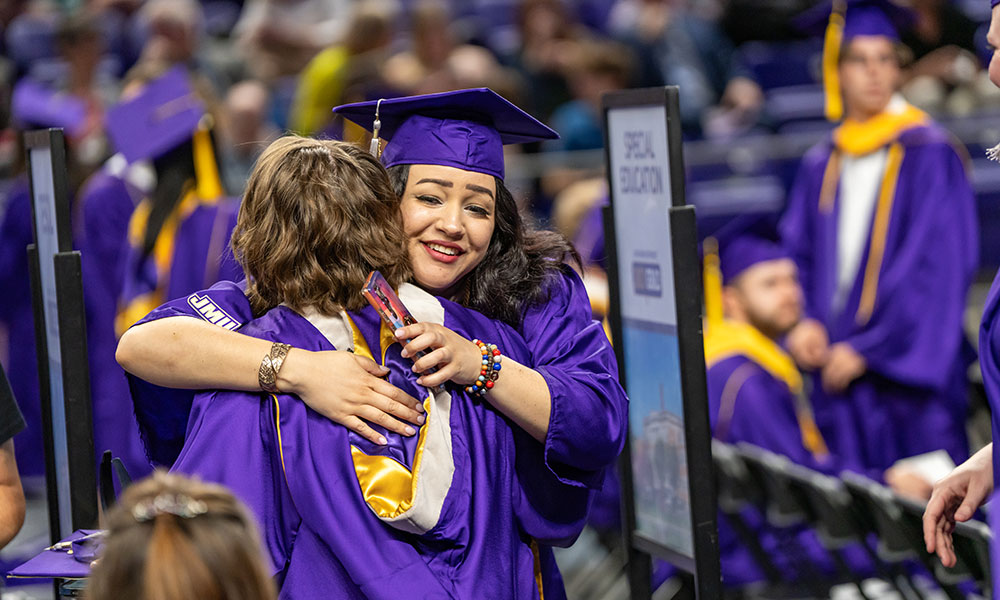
(471, 531)
(881, 222)
(755, 391)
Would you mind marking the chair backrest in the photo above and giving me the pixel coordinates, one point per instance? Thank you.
(736, 488)
(894, 543)
(835, 525)
(786, 506)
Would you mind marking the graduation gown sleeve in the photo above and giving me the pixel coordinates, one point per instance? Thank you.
(989, 362)
(161, 412)
(799, 227)
(589, 408)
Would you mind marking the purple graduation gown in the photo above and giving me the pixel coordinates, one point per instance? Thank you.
(570, 350)
(761, 411)
(16, 316)
(294, 469)
(989, 362)
(567, 347)
(105, 205)
(912, 399)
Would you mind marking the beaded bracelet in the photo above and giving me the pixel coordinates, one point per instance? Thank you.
(490, 370)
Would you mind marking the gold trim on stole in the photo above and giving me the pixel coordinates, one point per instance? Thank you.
(387, 486)
(880, 229)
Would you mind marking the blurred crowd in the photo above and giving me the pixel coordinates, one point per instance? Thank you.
(276, 65)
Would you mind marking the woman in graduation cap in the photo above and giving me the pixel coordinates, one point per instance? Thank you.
(466, 241)
(881, 222)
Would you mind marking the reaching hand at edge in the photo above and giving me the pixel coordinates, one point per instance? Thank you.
(956, 498)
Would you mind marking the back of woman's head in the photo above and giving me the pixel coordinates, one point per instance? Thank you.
(316, 218)
(173, 538)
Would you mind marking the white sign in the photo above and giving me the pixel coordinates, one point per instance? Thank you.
(639, 172)
(640, 180)
(47, 242)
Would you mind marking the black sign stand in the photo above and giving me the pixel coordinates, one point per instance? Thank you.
(688, 298)
(72, 506)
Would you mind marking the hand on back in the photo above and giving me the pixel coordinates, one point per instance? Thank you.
(350, 390)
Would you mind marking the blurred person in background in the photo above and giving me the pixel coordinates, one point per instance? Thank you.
(81, 48)
(717, 95)
(596, 67)
(175, 35)
(175, 538)
(945, 67)
(279, 37)
(245, 130)
(547, 31)
(345, 71)
(881, 222)
(177, 237)
(175, 31)
(423, 67)
(755, 391)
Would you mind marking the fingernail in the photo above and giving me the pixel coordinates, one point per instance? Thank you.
(398, 333)
(420, 407)
(409, 430)
(382, 440)
(421, 419)
(404, 354)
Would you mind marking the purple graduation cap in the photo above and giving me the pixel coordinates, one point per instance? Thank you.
(744, 251)
(744, 241)
(466, 129)
(840, 21)
(34, 105)
(160, 118)
(56, 562)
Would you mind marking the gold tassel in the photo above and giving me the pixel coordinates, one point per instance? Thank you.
(712, 281)
(206, 170)
(831, 60)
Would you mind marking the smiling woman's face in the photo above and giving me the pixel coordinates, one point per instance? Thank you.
(448, 217)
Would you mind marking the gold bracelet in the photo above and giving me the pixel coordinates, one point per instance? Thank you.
(267, 374)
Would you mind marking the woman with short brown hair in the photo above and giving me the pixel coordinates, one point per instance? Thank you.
(338, 237)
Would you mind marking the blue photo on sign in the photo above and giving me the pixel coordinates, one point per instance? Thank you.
(656, 423)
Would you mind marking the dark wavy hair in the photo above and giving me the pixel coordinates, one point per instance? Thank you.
(518, 263)
(317, 217)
